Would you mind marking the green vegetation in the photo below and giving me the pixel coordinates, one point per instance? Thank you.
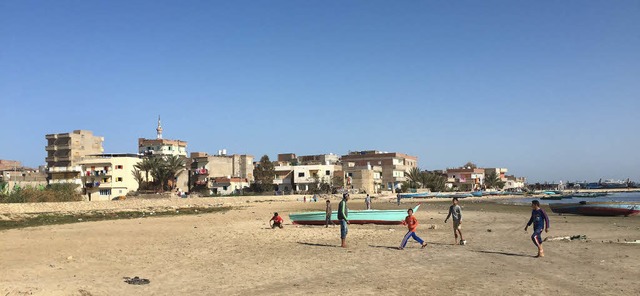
(163, 169)
(491, 180)
(51, 193)
(54, 219)
(264, 173)
(423, 179)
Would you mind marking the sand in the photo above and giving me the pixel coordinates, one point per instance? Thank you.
(236, 253)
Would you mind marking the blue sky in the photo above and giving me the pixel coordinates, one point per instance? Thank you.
(549, 89)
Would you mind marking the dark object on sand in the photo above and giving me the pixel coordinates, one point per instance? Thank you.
(597, 208)
(136, 281)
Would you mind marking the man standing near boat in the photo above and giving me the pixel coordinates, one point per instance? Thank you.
(343, 212)
(367, 202)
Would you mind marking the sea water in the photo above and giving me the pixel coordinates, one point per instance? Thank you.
(620, 197)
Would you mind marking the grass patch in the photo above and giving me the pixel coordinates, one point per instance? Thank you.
(55, 219)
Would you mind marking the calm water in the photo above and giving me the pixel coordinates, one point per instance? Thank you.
(613, 197)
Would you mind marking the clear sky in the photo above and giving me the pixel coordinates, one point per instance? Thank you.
(548, 89)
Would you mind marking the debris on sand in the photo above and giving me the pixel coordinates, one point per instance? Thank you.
(566, 238)
(135, 280)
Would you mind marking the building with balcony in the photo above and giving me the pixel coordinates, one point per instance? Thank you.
(365, 179)
(106, 176)
(227, 186)
(465, 179)
(64, 153)
(205, 168)
(394, 165)
(301, 178)
(292, 159)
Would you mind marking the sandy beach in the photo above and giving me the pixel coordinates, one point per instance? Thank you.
(236, 253)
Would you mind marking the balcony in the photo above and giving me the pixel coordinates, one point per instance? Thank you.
(64, 169)
(65, 181)
(200, 172)
(51, 148)
(97, 173)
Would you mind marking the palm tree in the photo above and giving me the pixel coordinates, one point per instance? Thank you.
(137, 175)
(491, 180)
(174, 165)
(147, 165)
(416, 178)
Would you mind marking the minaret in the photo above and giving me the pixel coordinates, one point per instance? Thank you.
(159, 129)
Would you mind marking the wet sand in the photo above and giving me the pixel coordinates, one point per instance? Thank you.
(236, 253)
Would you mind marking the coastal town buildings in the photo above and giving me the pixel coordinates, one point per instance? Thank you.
(207, 171)
(9, 164)
(366, 179)
(394, 165)
(16, 176)
(465, 179)
(160, 146)
(106, 176)
(64, 153)
(304, 173)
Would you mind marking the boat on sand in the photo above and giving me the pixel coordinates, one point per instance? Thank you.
(388, 217)
(596, 208)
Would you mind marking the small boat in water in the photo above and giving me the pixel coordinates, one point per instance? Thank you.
(588, 194)
(596, 208)
(389, 217)
(552, 197)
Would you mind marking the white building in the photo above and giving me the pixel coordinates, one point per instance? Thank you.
(304, 177)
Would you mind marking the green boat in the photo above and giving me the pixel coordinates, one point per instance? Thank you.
(388, 217)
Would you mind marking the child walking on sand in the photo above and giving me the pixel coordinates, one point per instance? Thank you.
(328, 211)
(412, 223)
(276, 221)
(455, 212)
(540, 221)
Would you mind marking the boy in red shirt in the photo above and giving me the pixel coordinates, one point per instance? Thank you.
(412, 223)
(277, 221)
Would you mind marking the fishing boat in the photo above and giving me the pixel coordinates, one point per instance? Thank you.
(389, 217)
(552, 197)
(416, 195)
(588, 194)
(477, 193)
(596, 208)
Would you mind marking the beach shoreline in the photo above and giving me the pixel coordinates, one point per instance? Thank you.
(235, 252)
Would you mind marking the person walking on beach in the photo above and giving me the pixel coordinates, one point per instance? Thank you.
(328, 211)
(540, 221)
(412, 223)
(343, 212)
(398, 197)
(276, 221)
(367, 202)
(455, 212)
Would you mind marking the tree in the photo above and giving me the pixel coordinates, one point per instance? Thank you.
(174, 165)
(470, 165)
(434, 181)
(148, 164)
(491, 180)
(137, 175)
(416, 178)
(264, 173)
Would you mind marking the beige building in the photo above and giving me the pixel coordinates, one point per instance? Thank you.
(365, 179)
(205, 168)
(9, 164)
(300, 178)
(23, 177)
(106, 176)
(160, 146)
(227, 186)
(65, 151)
(394, 165)
(465, 179)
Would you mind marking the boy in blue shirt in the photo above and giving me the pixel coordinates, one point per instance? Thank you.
(540, 221)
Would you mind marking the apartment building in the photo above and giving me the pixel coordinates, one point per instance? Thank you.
(226, 186)
(106, 176)
(465, 179)
(300, 178)
(9, 164)
(64, 153)
(365, 179)
(205, 168)
(394, 165)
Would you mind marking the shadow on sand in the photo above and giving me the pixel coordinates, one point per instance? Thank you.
(504, 253)
(318, 245)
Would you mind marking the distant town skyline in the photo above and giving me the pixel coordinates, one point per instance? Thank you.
(548, 89)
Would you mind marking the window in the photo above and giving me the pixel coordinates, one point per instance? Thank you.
(119, 179)
(105, 191)
(224, 188)
(327, 173)
(300, 174)
(119, 167)
(350, 174)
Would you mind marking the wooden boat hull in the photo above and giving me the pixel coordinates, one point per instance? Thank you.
(415, 195)
(384, 217)
(596, 209)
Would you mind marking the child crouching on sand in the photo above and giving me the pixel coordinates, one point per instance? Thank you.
(276, 221)
(412, 223)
